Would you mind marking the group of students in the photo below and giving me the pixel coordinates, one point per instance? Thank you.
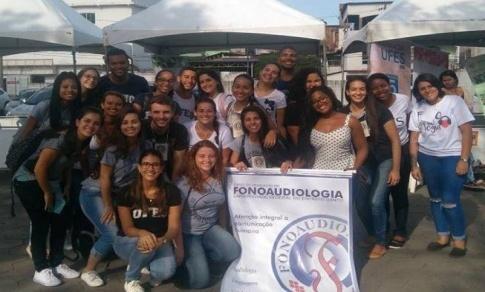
(148, 167)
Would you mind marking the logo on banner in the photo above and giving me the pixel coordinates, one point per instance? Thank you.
(311, 254)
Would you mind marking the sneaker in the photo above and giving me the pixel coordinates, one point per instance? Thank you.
(66, 272)
(46, 278)
(134, 286)
(92, 279)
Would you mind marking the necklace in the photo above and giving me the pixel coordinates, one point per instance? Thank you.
(202, 133)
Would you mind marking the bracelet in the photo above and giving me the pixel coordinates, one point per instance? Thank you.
(464, 160)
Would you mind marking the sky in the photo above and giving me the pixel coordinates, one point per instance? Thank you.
(327, 10)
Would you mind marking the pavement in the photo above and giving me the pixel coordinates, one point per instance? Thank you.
(411, 268)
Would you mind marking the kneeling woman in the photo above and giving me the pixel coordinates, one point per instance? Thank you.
(149, 214)
(38, 184)
(248, 150)
(203, 206)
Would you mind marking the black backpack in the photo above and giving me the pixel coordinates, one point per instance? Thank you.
(20, 151)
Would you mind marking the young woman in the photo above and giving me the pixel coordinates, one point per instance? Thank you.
(149, 214)
(207, 127)
(164, 84)
(90, 198)
(57, 112)
(450, 84)
(38, 183)
(383, 163)
(89, 78)
(270, 98)
(210, 85)
(118, 165)
(441, 138)
(203, 202)
(328, 137)
(400, 106)
(305, 79)
(248, 149)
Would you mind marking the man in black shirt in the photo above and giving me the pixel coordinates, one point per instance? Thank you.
(167, 136)
(119, 79)
(287, 60)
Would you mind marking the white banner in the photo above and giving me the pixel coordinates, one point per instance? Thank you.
(294, 231)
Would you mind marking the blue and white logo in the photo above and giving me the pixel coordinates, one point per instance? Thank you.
(312, 254)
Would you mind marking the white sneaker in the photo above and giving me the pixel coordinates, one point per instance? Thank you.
(66, 272)
(92, 279)
(46, 278)
(134, 286)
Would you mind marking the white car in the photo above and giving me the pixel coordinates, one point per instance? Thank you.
(4, 99)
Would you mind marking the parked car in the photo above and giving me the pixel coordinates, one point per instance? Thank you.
(24, 109)
(4, 99)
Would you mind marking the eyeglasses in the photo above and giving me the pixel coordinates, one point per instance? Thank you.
(151, 164)
(317, 101)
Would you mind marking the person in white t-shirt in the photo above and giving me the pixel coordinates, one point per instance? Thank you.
(210, 85)
(184, 96)
(207, 127)
(400, 106)
(273, 100)
(441, 138)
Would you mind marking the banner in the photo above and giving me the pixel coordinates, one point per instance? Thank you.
(294, 231)
(394, 60)
(429, 61)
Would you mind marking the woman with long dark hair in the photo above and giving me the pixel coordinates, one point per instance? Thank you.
(383, 162)
(400, 106)
(204, 206)
(210, 86)
(441, 138)
(248, 150)
(207, 127)
(149, 215)
(39, 182)
(88, 79)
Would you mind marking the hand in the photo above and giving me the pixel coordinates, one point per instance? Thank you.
(270, 139)
(393, 178)
(416, 173)
(49, 201)
(108, 215)
(241, 166)
(179, 255)
(461, 167)
(147, 241)
(285, 166)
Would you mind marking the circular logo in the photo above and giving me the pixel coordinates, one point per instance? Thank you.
(311, 254)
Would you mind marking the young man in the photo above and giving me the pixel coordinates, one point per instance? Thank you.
(165, 135)
(287, 60)
(118, 79)
(184, 96)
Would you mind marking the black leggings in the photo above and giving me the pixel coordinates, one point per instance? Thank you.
(32, 198)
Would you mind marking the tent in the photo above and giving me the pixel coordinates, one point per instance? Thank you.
(430, 23)
(36, 25)
(181, 26)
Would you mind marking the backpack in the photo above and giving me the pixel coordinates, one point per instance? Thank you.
(20, 151)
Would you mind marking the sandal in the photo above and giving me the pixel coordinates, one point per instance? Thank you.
(377, 252)
(457, 252)
(435, 246)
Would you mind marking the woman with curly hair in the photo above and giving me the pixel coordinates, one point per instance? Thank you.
(204, 206)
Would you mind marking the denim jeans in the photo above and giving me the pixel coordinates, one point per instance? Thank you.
(161, 261)
(399, 194)
(444, 187)
(379, 195)
(216, 244)
(360, 198)
(31, 197)
(93, 207)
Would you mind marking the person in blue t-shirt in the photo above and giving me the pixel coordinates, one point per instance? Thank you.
(119, 79)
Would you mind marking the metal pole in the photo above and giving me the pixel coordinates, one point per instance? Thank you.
(1, 73)
(74, 69)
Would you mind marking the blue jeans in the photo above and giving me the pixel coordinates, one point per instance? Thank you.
(217, 244)
(379, 195)
(360, 198)
(93, 207)
(161, 261)
(444, 187)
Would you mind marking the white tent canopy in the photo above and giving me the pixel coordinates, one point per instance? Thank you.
(179, 26)
(39, 25)
(444, 22)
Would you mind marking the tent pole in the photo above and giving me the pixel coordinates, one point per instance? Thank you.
(342, 69)
(1, 72)
(74, 69)
(322, 52)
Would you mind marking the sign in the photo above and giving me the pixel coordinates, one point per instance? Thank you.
(394, 60)
(294, 231)
(429, 61)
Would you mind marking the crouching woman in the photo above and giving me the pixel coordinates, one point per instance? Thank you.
(149, 214)
(203, 207)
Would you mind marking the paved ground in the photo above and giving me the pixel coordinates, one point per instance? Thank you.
(409, 269)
